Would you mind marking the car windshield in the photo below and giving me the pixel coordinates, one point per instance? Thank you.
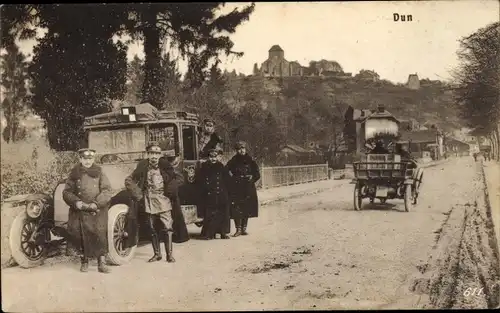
(119, 140)
(116, 145)
(123, 144)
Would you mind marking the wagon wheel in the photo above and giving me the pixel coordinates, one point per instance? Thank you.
(358, 200)
(408, 198)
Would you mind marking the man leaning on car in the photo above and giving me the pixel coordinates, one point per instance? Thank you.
(153, 185)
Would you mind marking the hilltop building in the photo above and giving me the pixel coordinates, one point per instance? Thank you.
(413, 82)
(368, 75)
(277, 66)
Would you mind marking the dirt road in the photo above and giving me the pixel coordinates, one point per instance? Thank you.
(313, 252)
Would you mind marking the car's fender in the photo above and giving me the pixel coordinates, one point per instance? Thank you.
(23, 199)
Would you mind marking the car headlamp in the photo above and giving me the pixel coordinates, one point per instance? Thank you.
(34, 209)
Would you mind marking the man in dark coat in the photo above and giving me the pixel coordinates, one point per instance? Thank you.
(88, 192)
(212, 180)
(208, 139)
(154, 186)
(244, 173)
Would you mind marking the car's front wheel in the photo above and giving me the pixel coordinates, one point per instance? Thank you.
(119, 253)
(27, 244)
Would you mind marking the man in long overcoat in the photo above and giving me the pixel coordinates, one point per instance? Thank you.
(154, 187)
(88, 192)
(212, 180)
(244, 173)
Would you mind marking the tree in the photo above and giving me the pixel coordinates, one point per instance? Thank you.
(275, 139)
(198, 31)
(349, 131)
(14, 80)
(77, 69)
(170, 83)
(249, 126)
(478, 93)
(135, 79)
(210, 101)
(194, 29)
(17, 22)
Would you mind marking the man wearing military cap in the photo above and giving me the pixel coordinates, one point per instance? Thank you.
(208, 139)
(88, 193)
(213, 180)
(244, 173)
(154, 185)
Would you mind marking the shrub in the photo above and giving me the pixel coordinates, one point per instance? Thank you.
(22, 172)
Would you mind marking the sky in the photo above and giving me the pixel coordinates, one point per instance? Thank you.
(358, 35)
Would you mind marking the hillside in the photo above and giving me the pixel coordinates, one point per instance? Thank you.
(430, 104)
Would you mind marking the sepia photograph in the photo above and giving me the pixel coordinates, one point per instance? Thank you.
(338, 155)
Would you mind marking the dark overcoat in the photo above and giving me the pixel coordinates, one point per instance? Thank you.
(88, 233)
(212, 181)
(136, 184)
(242, 190)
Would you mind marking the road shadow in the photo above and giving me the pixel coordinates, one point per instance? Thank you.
(379, 207)
(196, 236)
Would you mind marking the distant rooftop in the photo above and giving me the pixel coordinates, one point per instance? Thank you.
(296, 148)
(456, 142)
(418, 136)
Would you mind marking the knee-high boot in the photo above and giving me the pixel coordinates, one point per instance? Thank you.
(237, 223)
(169, 247)
(155, 241)
(244, 223)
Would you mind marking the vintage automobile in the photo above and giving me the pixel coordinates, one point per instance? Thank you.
(120, 138)
(382, 173)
